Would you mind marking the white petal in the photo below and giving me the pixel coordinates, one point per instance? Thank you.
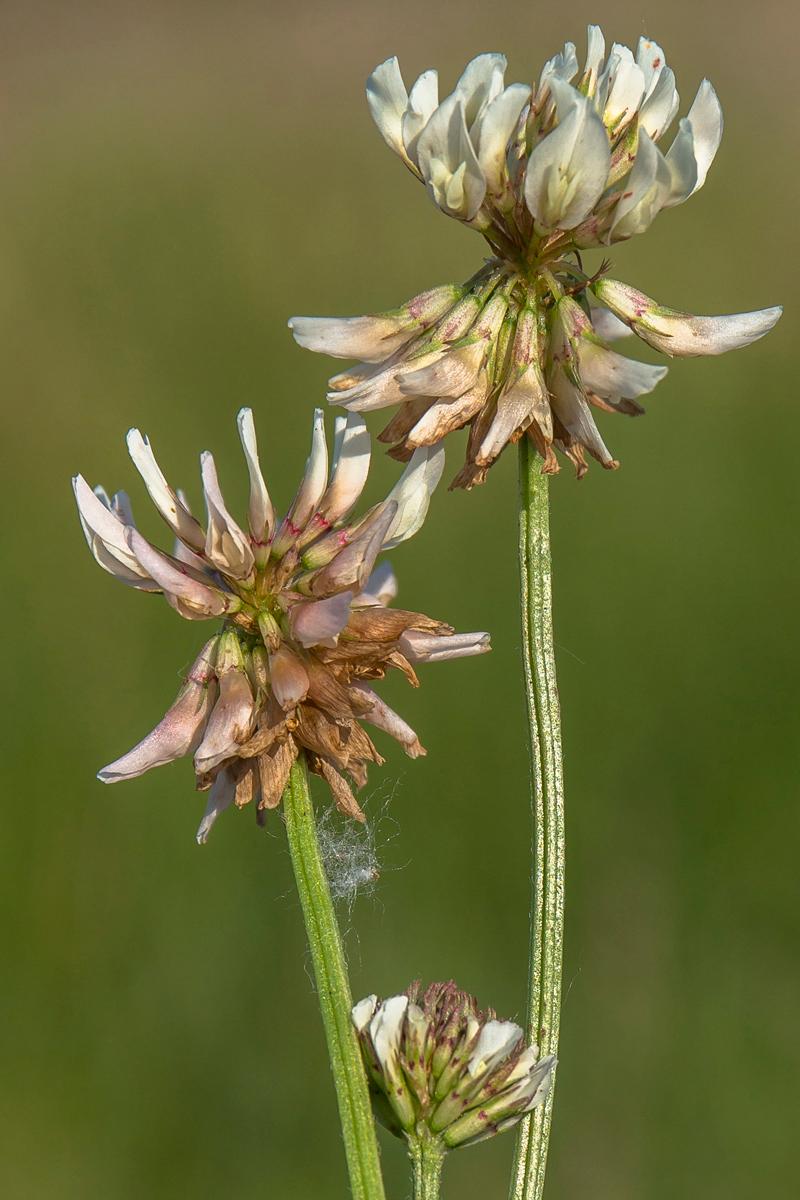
(595, 52)
(679, 333)
(221, 796)
(659, 108)
(382, 389)
(625, 87)
(495, 128)
(319, 622)
(371, 338)
(609, 327)
(481, 83)
(182, 524)
(567, 171)
(173, 577)
(646, 194)
(525, 400)
(562, 66)
(705, 118)
(609, 374)
(261, 514)
(349, 470)
(681, 160)
(363, 1011)
(448, 161)
(573, 413)
(180, 731)
(227, 546)
(412, 494)
(650, 57)
(385, 1031)
(387, 99)
(496, 1040)
(380, 589)
(428, 647)
(451, 375)
(423, 101)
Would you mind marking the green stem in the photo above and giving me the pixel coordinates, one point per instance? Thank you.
(547, 794)
(335, 1001)
(427, 1155)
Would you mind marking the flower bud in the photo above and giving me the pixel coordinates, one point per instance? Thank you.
(442, 1069)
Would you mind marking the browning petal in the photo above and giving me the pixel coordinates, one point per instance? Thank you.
(317, 733)
(405, 419)
(342, 795)
(247, 783)
(329, 694)
(387, 624)
(274, 767)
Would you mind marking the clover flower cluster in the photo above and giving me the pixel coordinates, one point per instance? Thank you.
(542, 173)
(441, 1068)
(306, 622)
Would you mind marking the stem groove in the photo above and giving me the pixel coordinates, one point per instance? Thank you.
(547, 803)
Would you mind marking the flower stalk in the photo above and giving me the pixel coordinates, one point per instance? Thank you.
(427, 1156)
(333, 988)
(547, 798)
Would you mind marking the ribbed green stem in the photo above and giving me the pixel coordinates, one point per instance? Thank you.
(333, 988)
(427, 1156)
(547, 795)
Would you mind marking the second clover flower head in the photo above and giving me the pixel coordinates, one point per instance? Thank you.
(543, 173)
(439, 1067)
(307, 625)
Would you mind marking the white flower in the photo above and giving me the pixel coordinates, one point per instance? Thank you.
(567, 171)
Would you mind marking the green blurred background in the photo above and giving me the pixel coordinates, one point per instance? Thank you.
(177, 180)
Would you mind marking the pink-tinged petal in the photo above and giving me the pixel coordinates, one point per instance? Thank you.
(261, 514)
(383, 717)
(310, 492)
(351, 567)
(319, 622)
(105, 533)
(221, 796)
(227, 546)
(429, 647)
(231, 720)
(174, 577)
(381, 389)
(379, 590)
(180, 521)
(288, 678)
(180, 730)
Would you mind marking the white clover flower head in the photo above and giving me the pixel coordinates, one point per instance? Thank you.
(306, 619)
(442, 1069)
(544, 173)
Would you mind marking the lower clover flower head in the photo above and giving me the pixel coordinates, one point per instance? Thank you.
(306, 619)
(542, 173)
(440, 1067)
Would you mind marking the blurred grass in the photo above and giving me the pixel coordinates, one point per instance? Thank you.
(177, 180)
